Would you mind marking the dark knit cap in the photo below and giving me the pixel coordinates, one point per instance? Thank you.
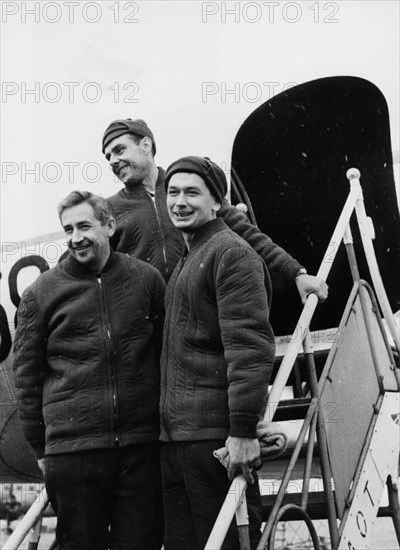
(211, 173)
(120, 127)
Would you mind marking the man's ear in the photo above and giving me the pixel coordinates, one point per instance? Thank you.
(147, 144)
(216, 206)
(111, 227)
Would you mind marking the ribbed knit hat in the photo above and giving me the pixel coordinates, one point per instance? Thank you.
(120, 127)
(211, 173)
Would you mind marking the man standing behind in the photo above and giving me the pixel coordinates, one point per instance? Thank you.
(218, 352)
(86, 365)
(144, 229)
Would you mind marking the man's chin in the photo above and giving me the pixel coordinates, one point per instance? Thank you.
(183, 225)
(128, 179)
(81, 256)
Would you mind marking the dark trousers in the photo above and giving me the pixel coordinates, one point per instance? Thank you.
(108, 498)
(195, 485)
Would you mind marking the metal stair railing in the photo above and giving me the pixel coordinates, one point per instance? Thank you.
(30, 523)
(236, 494)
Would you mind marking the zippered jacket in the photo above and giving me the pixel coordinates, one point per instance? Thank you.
(219, 347)
(86, 356)
(144, 230)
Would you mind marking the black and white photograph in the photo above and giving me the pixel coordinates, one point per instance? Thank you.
(199, 278)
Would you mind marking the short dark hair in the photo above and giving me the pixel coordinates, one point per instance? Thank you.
(101, 207)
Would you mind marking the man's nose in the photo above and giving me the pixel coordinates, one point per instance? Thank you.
(181, 199)
(76, 236)
(113, 160)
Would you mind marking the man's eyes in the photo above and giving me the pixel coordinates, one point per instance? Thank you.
(116, 151)
(190, 192)
(85, 227)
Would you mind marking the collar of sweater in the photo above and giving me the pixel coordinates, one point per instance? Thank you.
(206, 231)
(76, 269)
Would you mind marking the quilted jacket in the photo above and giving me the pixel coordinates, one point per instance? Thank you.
(86, 356)
(219, 347)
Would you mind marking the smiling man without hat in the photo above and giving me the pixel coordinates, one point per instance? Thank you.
(86, 367)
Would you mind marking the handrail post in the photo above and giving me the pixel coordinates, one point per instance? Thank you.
(242, 522)
(28, 521)
(225, 516)
(353, 176)
(34, 535)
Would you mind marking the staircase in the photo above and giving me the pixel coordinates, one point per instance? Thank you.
(346, 398)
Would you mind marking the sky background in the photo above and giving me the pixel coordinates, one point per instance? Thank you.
(192, 70)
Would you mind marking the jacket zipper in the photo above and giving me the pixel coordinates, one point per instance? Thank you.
(165, 345)
(111, 363)
(163, 247)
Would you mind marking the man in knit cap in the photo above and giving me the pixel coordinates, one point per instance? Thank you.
(218, 352)
(143, 227)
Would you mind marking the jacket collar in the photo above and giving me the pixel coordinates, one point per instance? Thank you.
(206, 231)
(76, 269)
(139, 189)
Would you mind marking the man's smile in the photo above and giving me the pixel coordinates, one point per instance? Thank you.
(81, 247)
(120, 168)
(182, 213)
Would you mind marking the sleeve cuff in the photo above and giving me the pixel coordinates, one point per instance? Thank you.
(243, 425)
(291, 270)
